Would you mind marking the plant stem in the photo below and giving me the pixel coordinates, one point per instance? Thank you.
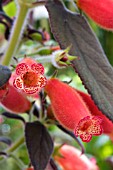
(13, 147)
(15, 33)
(18, 161)
(16, 145)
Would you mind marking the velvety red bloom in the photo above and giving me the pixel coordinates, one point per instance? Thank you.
(29, 76)
(71, 111)
(101, 11)
(106, 123)
(15, 101)
(71, 159)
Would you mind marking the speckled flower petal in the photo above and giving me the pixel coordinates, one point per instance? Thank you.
(86, 137)
(21, 68)
(37, 68)
(18, 83)
(41, 81)
(31, 90)
(87, 127)
(97, 119)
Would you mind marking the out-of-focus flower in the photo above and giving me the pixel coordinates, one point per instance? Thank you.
(30, 168)
(46, 35)
(40, 12)
(15, 101)
(29, 76)
(99, 11)
(71, 111)
(54, 48)
(71, 159)
(106, 123)
(1, 119)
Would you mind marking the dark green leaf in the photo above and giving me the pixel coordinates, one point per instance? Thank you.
(5, 74)
(92, 64)
(39, 144)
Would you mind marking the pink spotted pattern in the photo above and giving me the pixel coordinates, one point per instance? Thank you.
(30, 78)
(89, 126)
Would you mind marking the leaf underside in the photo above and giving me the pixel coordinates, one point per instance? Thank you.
(39, 144)
(92, 65)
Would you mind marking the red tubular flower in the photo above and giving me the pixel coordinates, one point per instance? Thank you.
(98, 10)
(106, 123)
(15, 101)
(70, 110)
(71, 159)
(29, 76)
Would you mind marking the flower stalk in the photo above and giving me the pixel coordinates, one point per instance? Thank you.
(16, 33)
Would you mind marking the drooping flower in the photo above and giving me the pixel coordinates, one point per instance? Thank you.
(99, 11)
(15, 101)
(71, 159)
(106, 123)
(29, 76)
(71, 111)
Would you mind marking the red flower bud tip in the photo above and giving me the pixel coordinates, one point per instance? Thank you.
(31, 168)
(71, 159)
(15, 101)
(29, 76)
(106, 123)
(71, 111)
(54, 48)
(98, 10)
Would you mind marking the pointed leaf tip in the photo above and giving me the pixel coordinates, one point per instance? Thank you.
(39, 144)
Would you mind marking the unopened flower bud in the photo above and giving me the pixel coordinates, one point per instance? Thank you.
(61, 58)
